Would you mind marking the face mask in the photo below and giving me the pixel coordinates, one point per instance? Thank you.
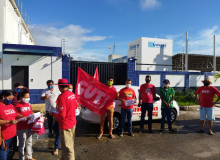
(147, 80)
(206, 84)
(7, 102)
(128, 85)
(70, 90)
(110, 83)
(17, 90)
(26, 100)
(50, 87)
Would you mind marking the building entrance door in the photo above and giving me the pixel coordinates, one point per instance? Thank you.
(19, 74)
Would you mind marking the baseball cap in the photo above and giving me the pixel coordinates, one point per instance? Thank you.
(166, 81)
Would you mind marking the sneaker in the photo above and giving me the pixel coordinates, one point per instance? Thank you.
(200, 131)
(150, 131)
(172, 131)
(131, 134)
(210, 133)
(141, 131)
(161, 131)
(121, 134)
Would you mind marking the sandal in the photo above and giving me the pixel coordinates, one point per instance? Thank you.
(55, 152)
(99, 137)
(111, 136)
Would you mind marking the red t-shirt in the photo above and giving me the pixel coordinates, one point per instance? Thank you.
(8, 112)
(67, 110)
(113, 89)
(126, 94)
(24, 109)
(148, 91)
(207, 95)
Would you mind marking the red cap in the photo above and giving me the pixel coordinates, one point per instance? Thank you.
(63, 82)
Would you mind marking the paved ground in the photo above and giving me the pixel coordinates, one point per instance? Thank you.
(186, 144)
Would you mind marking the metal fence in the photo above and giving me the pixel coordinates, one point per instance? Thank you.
(116, 70)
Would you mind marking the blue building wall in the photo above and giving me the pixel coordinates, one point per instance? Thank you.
(134, 75)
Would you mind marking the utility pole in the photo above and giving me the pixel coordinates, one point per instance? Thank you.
(182, 59)
(186, 57)
(214, 57)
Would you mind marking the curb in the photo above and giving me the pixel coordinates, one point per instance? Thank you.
(188, 108)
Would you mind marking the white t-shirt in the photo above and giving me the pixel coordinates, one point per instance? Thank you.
(50, 103)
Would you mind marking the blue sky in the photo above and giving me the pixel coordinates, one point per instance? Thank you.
(91, 26)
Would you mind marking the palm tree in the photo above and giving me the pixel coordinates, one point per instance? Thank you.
(216, 77)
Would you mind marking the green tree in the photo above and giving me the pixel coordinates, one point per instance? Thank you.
(216, 77)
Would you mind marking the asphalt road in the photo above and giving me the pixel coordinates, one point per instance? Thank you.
(184, 145)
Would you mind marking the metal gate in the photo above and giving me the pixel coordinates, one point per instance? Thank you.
(106, 69)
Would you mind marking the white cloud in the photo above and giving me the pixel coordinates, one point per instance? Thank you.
(75, 37)
(201, 43)
(149, 4)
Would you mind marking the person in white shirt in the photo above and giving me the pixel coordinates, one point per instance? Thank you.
(50, 96)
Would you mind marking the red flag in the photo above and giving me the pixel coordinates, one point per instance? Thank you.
(96, 75)
(93, 94)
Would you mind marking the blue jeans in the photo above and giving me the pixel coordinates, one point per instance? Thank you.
(149, 108)
(57, 139)
(166, 112)
(129, 113)
(51, 125)
(4, 153)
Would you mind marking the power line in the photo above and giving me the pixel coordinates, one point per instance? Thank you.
(203, 44)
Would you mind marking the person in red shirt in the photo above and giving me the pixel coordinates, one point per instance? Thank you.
(23, 128)
(146, 93)
(109, 111)
(125, 94)
(18, 88)
(66, 105)
(205, 98)
(8, 119)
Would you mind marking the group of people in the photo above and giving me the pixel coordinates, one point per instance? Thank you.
(147, 93)
(60, 103)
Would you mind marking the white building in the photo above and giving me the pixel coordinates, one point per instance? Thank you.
(155, 53)
(23, 61)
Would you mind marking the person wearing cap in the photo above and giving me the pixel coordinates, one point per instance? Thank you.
(18, 88)
(146, 94)
(167, 96)
(205, 98)
(66, 105)
(50, 96)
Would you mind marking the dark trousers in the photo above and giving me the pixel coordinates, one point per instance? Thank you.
(57, 139)
(149, 108)
(50, 122)
(3, 153)
(129, 113)
(166, 112)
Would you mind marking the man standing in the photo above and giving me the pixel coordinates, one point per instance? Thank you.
(167, 96)
(205, 98)
(50, 96)
(146, 93)
(18, 88)
(109, 111)
(126, 94)
(66, 103)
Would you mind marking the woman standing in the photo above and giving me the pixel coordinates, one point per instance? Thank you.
(8, 120)
(23, 128)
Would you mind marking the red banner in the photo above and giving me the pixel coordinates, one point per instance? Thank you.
(93, 94)
(96, 75)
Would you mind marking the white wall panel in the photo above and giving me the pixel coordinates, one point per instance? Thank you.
(217, 83)
(176, 80)
(196, 80)
(155, 79)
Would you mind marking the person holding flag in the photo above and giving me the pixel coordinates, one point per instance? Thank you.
(109, 111)
(125, 94)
